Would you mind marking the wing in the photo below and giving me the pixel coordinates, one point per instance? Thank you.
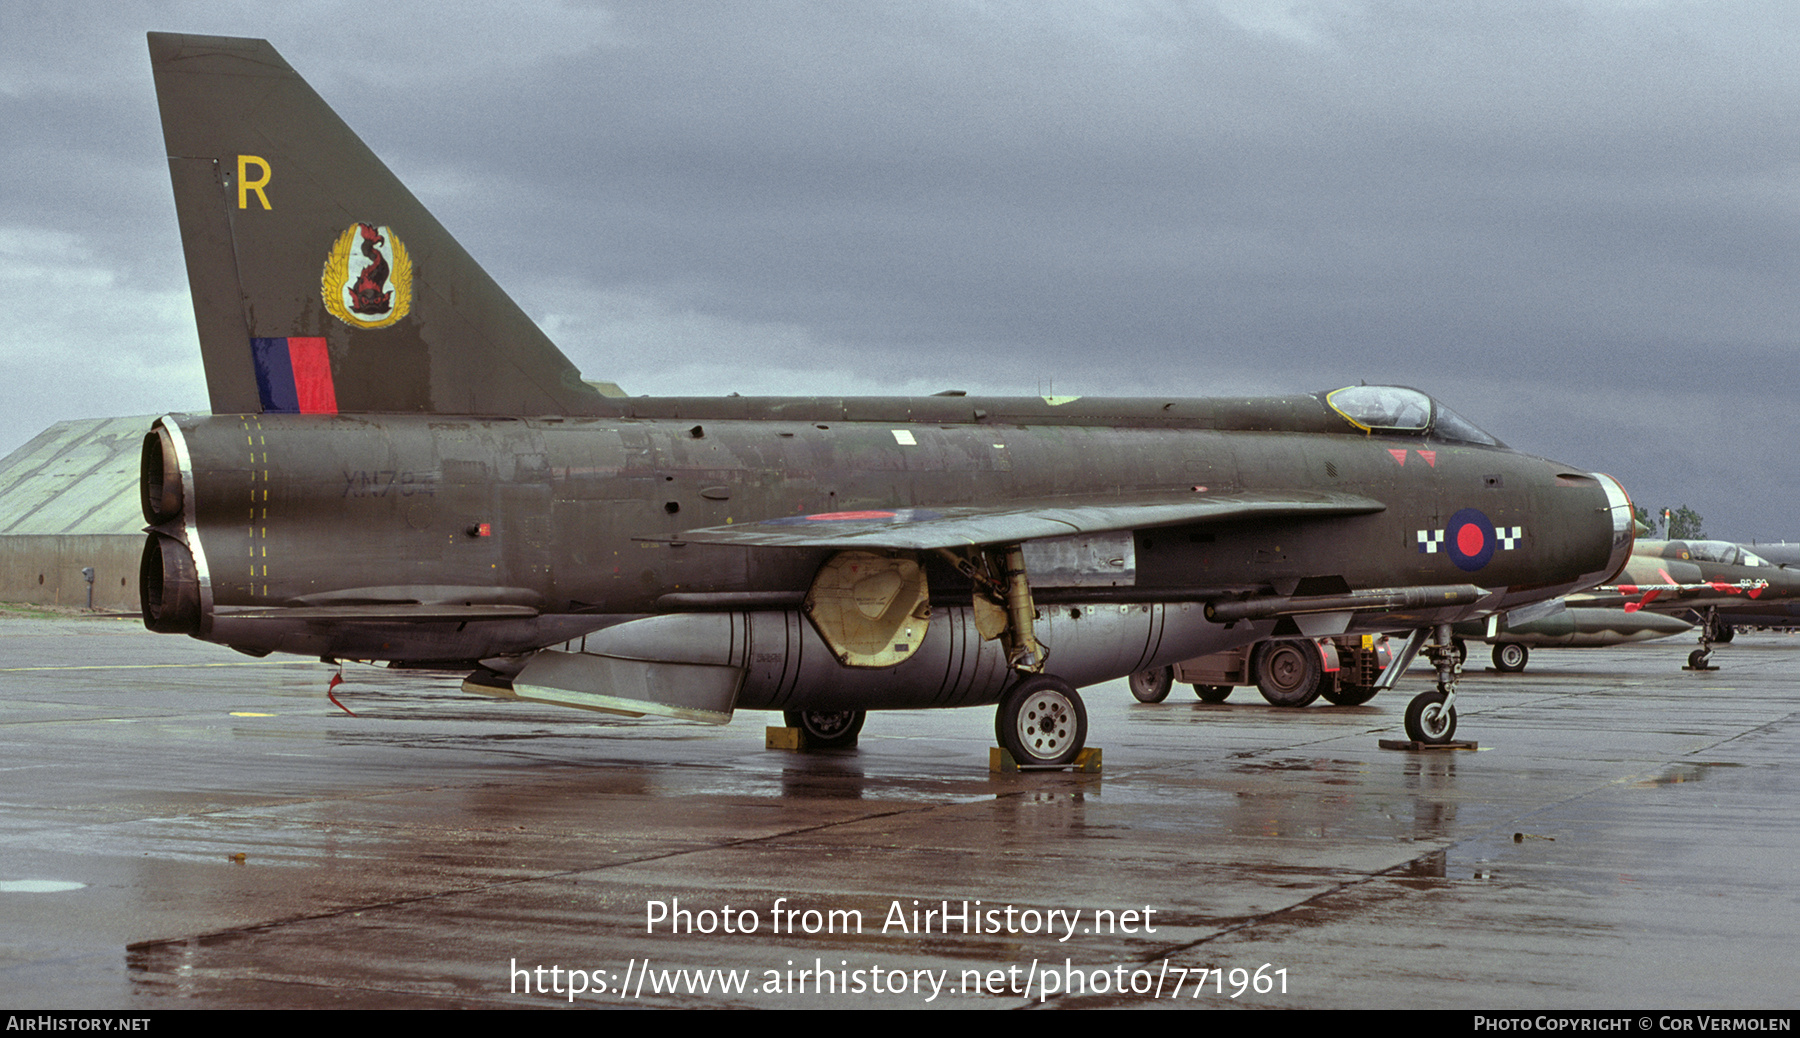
(964, 525)
(865, 617)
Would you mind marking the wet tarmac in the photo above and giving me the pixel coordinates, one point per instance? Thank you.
(1625, 838)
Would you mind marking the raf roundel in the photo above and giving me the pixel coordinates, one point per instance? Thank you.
(1469, 539)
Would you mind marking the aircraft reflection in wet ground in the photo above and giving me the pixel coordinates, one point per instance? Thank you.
(401, 466)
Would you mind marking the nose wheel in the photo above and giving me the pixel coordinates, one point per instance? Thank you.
(1431, 716)
(1710, 624)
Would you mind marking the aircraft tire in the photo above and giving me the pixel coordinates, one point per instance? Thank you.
(1462, 650)
(827, 729)
(1041, 721)
(1722, 631)
(1699, 659)
(1429, 720)
(1288, 673)
(1510, 657)
(1213, 693)
(1350, 695)
(1152, 686)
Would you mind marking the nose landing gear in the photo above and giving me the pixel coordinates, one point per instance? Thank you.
(1431, 716)
(1710, 626)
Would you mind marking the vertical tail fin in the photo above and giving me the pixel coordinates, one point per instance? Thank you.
(320, 283)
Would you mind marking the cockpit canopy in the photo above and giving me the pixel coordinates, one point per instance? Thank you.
(1404, 411)
(1724, 553)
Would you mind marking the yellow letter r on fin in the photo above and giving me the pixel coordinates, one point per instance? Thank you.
(246, 185)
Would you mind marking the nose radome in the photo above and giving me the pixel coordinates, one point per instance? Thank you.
(1624, 525)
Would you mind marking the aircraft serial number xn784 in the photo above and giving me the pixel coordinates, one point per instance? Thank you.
(399, 465)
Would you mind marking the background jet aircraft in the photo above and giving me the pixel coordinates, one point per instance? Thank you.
(1575, 626)
(1763, 612)
(1667, 587)
(401, 466)
(1700, 580)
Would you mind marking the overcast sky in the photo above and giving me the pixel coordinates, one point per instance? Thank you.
(1575, 221)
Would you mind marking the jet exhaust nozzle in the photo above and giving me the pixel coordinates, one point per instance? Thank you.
(169, 586)
(163, 493)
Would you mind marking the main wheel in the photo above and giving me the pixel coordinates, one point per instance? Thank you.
(1428, 719)
(1350, 695)
(1722, 631)
(1213, 693)
(827, 729)
(1510, 657)
(1041, 721)
(1152, 686)
(1288, 674)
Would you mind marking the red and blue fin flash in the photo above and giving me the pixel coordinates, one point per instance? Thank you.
(293, 375)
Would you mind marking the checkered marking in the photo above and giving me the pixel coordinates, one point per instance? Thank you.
(1470, 539)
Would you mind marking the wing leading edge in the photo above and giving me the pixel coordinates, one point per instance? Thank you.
(924, 529)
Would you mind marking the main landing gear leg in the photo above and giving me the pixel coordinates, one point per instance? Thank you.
(1431, 716)
(1701, 658)
(1041, 720)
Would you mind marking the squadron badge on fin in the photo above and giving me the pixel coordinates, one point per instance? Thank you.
(367, 281)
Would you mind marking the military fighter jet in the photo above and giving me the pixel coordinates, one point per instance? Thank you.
(1576, 626)
(1761, 613)
(1702, 580)
(401, 466)
(1667, 587)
